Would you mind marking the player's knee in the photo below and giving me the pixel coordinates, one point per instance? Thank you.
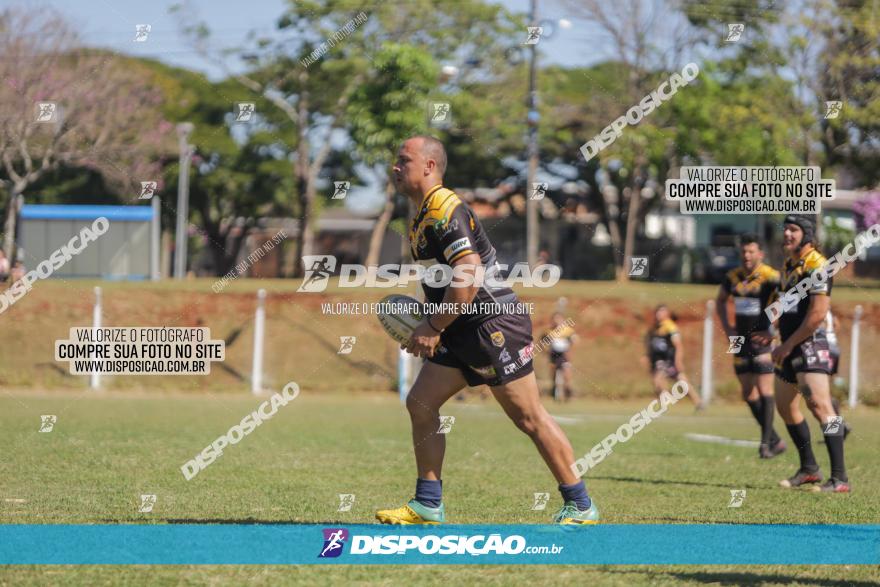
(527, 423)
(419, 411)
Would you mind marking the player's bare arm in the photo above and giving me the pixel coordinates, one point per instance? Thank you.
(721, 310)
(426, 336)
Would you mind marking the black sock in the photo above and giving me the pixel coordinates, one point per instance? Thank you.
(836, 405)
(800, 434)
(834, 443)
(768, 433)
(758, 412)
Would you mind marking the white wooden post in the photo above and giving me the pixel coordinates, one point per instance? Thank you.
(259, 328)
(708, 330)
(95, 382)
(854, 359)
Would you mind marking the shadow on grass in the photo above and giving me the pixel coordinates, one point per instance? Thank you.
(746, 578)
(667, 482)
(220, 521)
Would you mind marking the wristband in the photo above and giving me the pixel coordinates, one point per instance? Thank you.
(432, 326)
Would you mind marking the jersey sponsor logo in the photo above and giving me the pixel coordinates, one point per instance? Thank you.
(747, 306)
(525, 354)
(497, 338)
(459, 245)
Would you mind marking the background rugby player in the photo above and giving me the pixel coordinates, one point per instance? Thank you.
(751, 286)
(803, 360)
(666, 353)
(562, 338)
(468, 349)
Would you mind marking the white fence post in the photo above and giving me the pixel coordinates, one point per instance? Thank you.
(404, 368)
(854, 359)
(95, 382)
(708, 330)
(259, 328)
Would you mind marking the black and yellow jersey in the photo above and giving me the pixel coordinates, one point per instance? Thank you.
(751, 293)
(660, 346)
(445, 230)
(560, 338)
(792, 273)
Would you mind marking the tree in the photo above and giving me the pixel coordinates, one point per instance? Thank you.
(325, 51)
(65, 105)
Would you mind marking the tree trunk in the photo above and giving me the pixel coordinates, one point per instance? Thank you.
(632, 223)
(10, 225)
(381, 226)
(305, 237)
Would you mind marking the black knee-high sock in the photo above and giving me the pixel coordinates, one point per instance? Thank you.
(758, 412)
(800, 434)
(834, 443)
(768, 433)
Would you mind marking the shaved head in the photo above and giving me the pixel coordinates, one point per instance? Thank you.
(421, 163)
(432, 148)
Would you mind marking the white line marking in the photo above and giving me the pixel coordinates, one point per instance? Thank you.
(722, 440)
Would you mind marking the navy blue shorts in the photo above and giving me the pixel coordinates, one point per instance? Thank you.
(497, 352)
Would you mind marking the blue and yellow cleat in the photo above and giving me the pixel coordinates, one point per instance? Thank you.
(570, 514)
(413, 513)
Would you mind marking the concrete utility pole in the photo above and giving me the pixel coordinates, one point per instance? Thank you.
(531, 204)
(184, 130)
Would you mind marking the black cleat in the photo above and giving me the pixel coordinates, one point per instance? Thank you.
(770, 451)
(802, 477)
(832, 486)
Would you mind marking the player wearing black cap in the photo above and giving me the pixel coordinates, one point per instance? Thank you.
(803, 360)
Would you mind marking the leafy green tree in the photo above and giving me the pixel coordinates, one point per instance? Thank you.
(326, 50)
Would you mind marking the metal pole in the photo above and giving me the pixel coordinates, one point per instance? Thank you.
(95, 382)
(854, 361)
(155, 238)
(184, 129)
(259, 328)
(532, 205)
(708, 328)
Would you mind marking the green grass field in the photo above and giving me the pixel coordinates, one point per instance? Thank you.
(109, 448)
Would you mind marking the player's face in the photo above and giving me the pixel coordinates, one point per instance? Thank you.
(791, 237)
(409, 169)
(752, 255)
(661, 314)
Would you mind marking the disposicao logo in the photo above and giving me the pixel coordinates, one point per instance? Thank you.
(334, 540)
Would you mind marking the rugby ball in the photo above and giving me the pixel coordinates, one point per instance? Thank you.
(399, 316)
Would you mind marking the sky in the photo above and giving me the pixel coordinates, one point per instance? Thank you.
(111, 24)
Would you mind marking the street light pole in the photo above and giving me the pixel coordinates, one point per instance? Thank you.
(531, 204)
(184, 130)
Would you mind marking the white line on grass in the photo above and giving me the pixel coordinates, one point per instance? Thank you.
(721, 440)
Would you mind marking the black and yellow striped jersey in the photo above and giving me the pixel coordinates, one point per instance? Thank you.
(792, 273)
(660, 337)
(751, 293)
(445, 230)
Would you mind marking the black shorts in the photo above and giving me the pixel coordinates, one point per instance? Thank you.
(558, 359)
(748, 363)
(497, 352)
(811, 356)
(665, 367)
(835, 359)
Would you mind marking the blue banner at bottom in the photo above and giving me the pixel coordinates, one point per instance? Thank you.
(285, 544)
